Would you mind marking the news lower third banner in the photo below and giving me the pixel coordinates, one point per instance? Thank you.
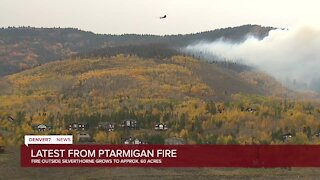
(256, 156)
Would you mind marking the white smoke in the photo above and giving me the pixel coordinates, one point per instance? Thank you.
(292, 54)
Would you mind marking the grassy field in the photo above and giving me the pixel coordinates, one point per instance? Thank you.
(10, 169)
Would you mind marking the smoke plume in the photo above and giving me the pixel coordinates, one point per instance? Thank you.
(290, 55)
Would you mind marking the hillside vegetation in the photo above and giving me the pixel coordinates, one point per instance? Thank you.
(198, 101)
(119, 77)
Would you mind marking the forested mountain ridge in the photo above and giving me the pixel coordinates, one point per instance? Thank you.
(26, 47)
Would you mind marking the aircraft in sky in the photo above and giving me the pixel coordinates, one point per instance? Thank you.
(165, 16)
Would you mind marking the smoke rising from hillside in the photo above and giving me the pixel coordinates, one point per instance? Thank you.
(288, 55)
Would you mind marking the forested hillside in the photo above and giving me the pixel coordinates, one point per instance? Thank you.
(26, 47)
(199, 102)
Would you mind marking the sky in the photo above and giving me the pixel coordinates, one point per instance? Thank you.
(142, 16)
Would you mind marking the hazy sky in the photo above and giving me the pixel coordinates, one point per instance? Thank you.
(142, 16)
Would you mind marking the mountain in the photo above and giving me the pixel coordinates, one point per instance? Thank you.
(72, 76)
(26, 47)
